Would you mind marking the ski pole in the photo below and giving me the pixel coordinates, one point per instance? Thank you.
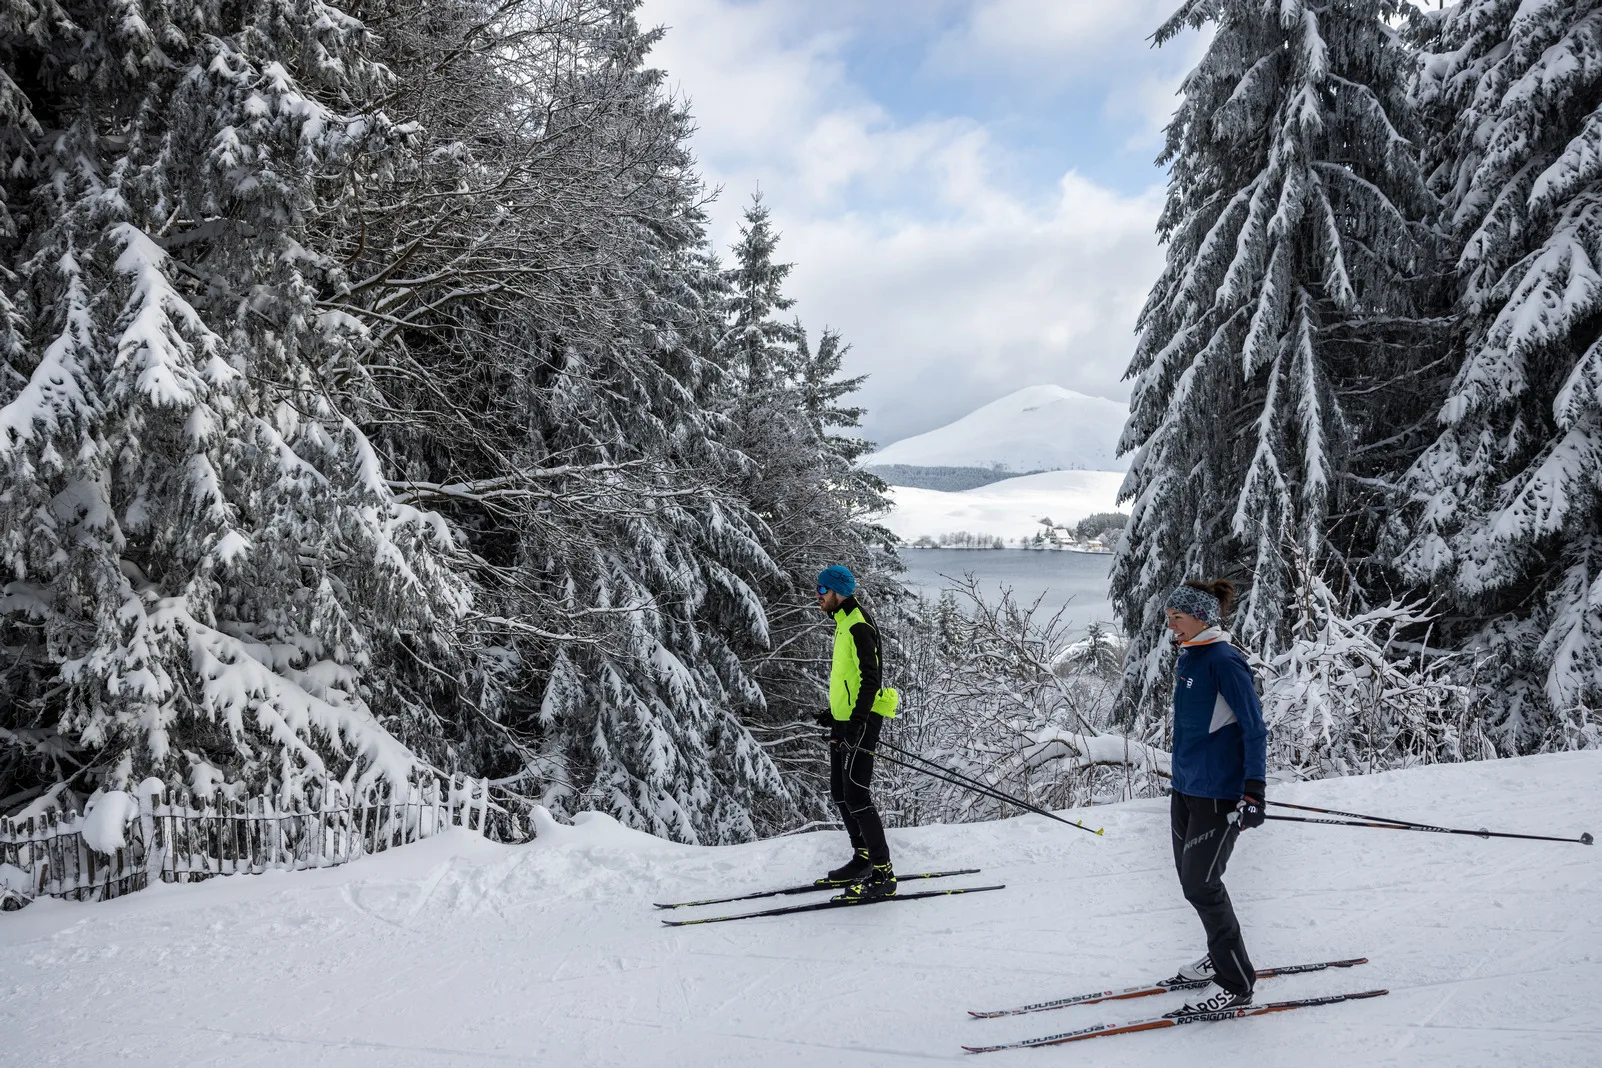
(945, 775)
(935, 771)
(957, 778)
(1584, 839)
(950, 775)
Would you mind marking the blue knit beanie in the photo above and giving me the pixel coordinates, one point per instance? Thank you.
(838, 577)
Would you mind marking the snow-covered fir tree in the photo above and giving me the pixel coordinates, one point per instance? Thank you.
(1278, 354)
(547, 380)
(367, 411)
(1506, 523)
(790, 421)
(207, 577)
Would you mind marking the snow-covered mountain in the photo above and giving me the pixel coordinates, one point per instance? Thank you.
(1011, 508)
(1040, 428)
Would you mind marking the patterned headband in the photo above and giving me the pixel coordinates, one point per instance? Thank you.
(1193, 602)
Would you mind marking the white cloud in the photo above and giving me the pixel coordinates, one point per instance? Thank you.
(952, 286)
(949, 315)
(1051, 42)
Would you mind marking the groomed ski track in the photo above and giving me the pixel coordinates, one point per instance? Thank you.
(457, 952)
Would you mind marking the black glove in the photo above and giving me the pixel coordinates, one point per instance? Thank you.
(1249, 809)
(848, 733)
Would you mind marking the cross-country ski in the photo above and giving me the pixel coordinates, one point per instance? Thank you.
(835, 903)
(1163, 987)
(807, 888)
(1155, 1023)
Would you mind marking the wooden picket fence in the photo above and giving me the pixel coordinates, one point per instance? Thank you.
(178, 839)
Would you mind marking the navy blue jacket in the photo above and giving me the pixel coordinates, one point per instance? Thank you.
(1220, 740)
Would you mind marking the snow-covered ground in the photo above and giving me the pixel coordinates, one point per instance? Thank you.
(460, 952)
(1040, 428)
(1008, 509)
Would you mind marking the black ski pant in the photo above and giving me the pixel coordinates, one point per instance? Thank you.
(1203, 839)
(850, 773)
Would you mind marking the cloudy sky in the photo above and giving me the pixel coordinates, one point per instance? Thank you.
(965, 187)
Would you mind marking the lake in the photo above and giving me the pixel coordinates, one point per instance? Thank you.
(1075, 582)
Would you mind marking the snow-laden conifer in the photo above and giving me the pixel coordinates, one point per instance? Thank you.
(542, 369)
(207, 576)
(1505, 519)
(816, 505)
(1266, 363)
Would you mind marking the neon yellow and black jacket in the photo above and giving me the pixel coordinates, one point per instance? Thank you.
(856, 676)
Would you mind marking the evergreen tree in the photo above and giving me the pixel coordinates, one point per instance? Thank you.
(1506, 522)
(1266, 407)
(207, 576)
(549, 351)
(802, 481)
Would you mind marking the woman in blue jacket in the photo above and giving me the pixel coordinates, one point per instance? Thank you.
(1220, 756)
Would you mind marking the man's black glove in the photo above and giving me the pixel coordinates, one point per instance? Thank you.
(826, 722)
(848, 733)
(1249, 809)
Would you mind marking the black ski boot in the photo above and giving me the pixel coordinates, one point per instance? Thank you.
(852, 870)
(880, 882)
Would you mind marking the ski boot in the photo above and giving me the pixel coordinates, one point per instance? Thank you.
(1199, 972)
(879, 882)
(856, 868)
(1214, 999)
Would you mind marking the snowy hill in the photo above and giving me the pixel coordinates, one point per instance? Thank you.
(1041, 428)
(457, 952)
(1008, 509)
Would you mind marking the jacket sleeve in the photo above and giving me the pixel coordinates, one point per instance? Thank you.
(867, 643)
(1234, 680)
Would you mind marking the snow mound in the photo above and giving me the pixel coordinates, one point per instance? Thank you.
(106, 818)
(1040, 428)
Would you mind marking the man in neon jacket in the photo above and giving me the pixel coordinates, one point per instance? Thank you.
(857, 707)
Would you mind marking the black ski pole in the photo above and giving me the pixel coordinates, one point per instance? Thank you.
(961, 779)
(943, 774)
(1584, 839)
(951, 775)
(978, 784)
(935, 771)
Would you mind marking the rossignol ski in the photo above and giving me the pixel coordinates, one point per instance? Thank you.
(834, 903)
(1159, 988)
(1156, 1022)
(806, 889)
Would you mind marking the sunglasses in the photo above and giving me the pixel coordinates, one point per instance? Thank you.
(822, 590)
